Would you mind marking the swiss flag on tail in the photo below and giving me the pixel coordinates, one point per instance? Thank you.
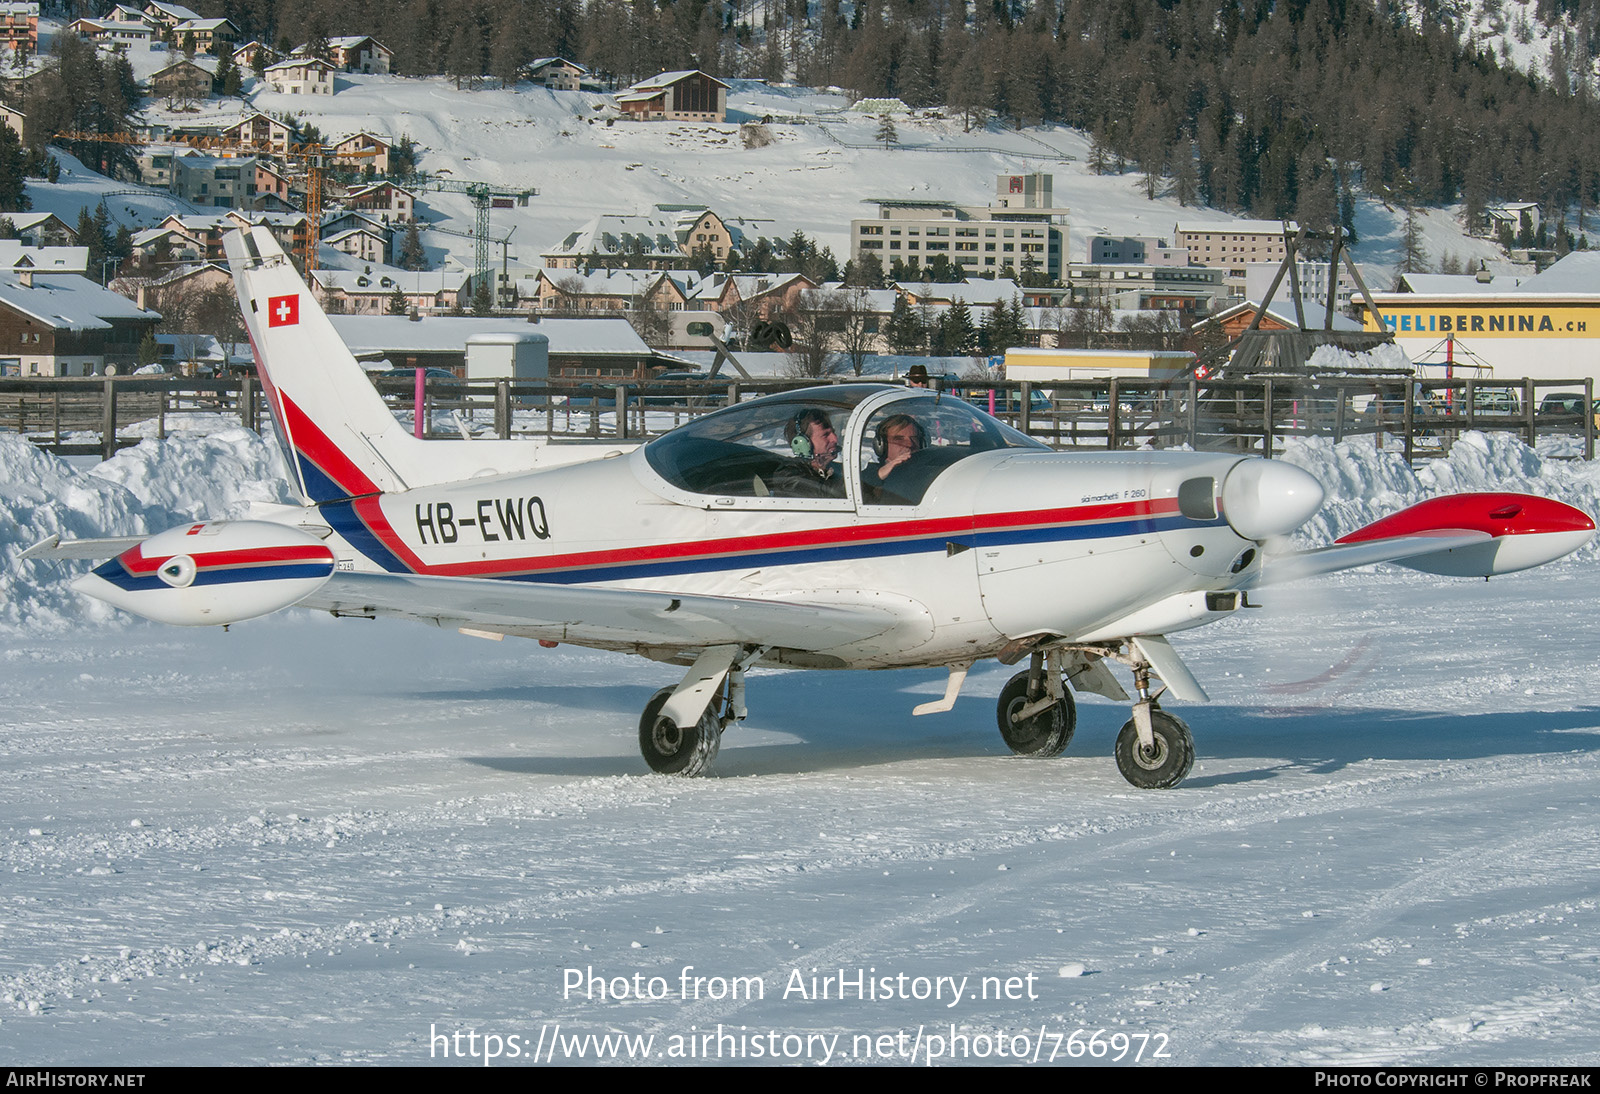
(283, 311)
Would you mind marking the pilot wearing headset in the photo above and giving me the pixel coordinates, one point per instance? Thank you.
(814, 472)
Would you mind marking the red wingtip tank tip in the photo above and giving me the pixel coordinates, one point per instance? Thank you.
(1498, 514)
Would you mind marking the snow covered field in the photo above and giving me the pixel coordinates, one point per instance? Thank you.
(308, 839)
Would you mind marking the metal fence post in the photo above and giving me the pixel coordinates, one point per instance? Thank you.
(108, 425)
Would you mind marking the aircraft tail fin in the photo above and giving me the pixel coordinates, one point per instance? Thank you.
(341, 439)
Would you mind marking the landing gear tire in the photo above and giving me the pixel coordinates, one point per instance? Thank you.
(671, 749)
(1045, 734)
(1166, 763)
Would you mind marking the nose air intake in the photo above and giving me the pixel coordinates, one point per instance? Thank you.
(1266, 498)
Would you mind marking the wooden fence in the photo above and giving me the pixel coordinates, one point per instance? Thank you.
(1420, 419)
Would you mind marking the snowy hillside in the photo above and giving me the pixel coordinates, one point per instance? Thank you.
(822, 168)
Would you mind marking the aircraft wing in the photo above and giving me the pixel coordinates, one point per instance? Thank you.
(597, 614)
(1458, 535)
(1344, 556)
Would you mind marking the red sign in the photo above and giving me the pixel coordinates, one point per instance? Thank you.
(1016, 184)
(283, 311)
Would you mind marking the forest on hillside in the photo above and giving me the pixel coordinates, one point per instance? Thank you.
(1273, 108)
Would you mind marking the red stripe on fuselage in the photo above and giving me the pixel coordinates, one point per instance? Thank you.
(135, 562)
(371, 514)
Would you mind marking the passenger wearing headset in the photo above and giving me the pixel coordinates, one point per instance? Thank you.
(814, 472)
(898, 438)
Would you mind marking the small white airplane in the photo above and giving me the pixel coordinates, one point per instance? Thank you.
(855, 526)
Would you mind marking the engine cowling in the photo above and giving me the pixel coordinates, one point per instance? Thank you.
(212, 573)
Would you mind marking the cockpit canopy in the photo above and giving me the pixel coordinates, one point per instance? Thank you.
(888, 445)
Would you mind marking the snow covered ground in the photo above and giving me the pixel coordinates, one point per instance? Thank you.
(308, 839)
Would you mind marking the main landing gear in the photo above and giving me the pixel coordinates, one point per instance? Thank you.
(681, 728)
(1154, 750)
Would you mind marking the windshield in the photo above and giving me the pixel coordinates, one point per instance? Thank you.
(792, 446)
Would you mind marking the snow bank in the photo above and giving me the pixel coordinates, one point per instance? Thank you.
(1364, 483)
(141, 491)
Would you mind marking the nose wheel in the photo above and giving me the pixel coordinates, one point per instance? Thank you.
(1165, 761)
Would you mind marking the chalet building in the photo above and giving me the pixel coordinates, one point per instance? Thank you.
(262, 132)
(112, 31)
(683, 96)
(557, 73)
(228, 182)
(1021, 229)
(271, 183)
(167, 16)
(42, 229)
(391, 204)
(19, 26)
(168, 243)
(362, 244)
(761, 295)
(361, 54)
(668, 237)
(301, 76)
(122, 13)
(291, 230)
(363, 152)
(16, 121)
(206, 33)
(180, 81)
(66, 325)
(244, 56)
(369, 292)
(564, 292)
(357, 53)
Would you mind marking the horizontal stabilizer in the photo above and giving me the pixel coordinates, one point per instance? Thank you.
(52, 548)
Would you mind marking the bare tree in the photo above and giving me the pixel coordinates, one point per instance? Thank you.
(813, 324)
(857, 336)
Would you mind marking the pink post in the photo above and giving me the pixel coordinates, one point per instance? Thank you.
(421, 409)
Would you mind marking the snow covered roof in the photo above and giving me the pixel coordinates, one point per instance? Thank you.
(172, 11)
(1577, 273)
(666, 79)
(981, 292)
(664, 230)
(1283, 311)
(880, 106)
(386, 279)
(1455, 284)
(68, 302)
(15, 255)
(374, 334)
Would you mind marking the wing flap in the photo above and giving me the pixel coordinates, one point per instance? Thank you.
(590, 613)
